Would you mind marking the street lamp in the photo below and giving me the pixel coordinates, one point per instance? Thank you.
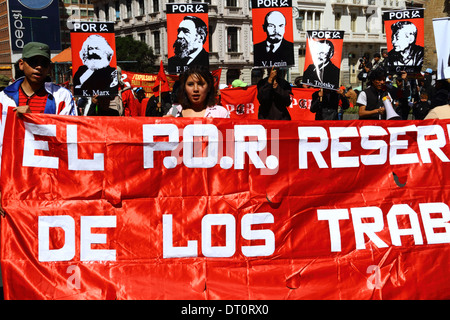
(298, 16)
(31, 23)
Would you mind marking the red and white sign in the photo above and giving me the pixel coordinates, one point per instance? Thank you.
(242, 103)
(146, 208)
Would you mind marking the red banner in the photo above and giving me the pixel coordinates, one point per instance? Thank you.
(242, 103)
(145, 208)
(144, 80)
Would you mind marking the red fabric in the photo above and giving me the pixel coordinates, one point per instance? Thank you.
(144, 106)
(161, 83)
(246, 99)
(216, 75)
(131, 105)
(144, 80)
(313, 206)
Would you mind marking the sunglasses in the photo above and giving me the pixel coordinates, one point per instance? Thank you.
(37, 61)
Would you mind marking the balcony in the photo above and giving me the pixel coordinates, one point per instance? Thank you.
(364, 37)
(234, 57)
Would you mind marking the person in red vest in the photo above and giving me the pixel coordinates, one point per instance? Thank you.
(139, 95)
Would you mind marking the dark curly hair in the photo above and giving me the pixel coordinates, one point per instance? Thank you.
(197, 71)
(377, 74)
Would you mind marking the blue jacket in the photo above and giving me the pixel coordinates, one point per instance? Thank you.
(9, 97)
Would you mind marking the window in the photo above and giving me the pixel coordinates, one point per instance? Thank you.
(117, 7)
(353, 22)
(233, 74)
(155, 5)
(337, 21)
(232, 3)
(300, 20)
(156, 42)
(232, 39)
(309, 21)
(141, 7)
(129, 13)
(317, 16)
(257, 75)
(106, 12)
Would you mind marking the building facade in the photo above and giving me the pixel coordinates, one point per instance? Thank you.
(231, 44)
(73, 10)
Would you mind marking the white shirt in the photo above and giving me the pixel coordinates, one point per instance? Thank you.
(211, 112)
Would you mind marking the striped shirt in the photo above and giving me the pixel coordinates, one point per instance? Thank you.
(36, 101)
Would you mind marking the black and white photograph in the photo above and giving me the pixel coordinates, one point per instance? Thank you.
(273, 44)
(188, 41)
(322, 56)
(94, 67)
(405, 38)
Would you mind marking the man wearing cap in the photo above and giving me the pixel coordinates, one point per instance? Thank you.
(238, 84)
(33, 93)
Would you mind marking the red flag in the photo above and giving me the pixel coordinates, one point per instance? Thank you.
(161, 83)
(216, 74)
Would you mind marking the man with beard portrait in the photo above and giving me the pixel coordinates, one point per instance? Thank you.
(188, 48)
(96, 74)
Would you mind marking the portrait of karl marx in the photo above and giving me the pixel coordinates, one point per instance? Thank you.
(96, 72)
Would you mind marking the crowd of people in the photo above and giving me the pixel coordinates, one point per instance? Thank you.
(194, 95)
(412, 96)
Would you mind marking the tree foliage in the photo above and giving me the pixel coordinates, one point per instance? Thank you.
(135, 56)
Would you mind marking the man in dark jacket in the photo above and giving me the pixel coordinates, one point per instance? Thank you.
(326, 103)
(370, 100)
(274, 96)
